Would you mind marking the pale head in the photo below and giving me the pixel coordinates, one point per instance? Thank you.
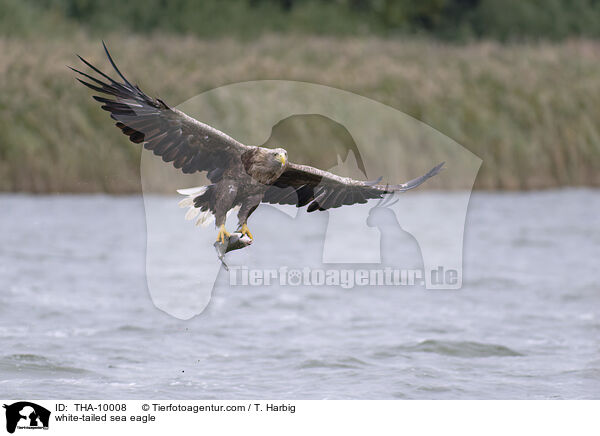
(280, 155)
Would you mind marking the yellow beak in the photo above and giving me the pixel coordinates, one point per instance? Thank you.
(281, 158)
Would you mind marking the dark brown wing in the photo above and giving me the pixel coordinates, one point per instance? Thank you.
(301, 184)
(191, 145)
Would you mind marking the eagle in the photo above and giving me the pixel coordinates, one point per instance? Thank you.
(241, 176)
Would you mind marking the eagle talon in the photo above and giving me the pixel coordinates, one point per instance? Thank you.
(223, 233)
(244, 230)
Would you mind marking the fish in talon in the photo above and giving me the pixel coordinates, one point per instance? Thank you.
(235, 241)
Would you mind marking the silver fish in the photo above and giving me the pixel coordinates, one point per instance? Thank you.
(233, 242)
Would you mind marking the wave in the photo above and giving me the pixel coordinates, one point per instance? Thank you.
(461, 348)
(34, 362)
(346, 362)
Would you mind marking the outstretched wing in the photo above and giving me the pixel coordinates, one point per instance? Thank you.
(191, 145)
(301, 184)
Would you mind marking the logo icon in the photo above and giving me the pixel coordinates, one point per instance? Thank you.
(26, 415)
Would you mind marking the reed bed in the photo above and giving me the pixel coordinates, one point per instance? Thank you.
(529, 110)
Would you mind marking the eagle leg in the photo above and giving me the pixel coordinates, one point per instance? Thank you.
(223, 234)
(244, 230)
(246, 209)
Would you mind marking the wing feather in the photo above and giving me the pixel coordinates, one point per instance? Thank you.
(302, 184)
(191, 145)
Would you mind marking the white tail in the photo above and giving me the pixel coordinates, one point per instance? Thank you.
(192, 213)
(204, 217)
(207, 216)
(193, 191)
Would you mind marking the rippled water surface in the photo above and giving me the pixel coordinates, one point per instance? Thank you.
(76, 319)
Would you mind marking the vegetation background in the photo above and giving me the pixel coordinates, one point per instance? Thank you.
(516, 82)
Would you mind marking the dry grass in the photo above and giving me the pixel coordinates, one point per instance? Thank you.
(529, 111)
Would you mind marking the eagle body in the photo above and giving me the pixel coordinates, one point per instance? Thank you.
(241, 176)
(243, 184)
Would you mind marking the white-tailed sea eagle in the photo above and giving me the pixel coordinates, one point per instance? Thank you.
(241, 176)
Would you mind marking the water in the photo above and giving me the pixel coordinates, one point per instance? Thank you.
(76, 319)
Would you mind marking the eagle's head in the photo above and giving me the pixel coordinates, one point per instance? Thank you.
(280, 155)
(265, 164)
(278, 163)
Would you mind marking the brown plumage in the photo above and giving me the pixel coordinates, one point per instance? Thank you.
(240, 175)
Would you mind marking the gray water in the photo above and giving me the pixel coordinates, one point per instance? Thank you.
(77, 321)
